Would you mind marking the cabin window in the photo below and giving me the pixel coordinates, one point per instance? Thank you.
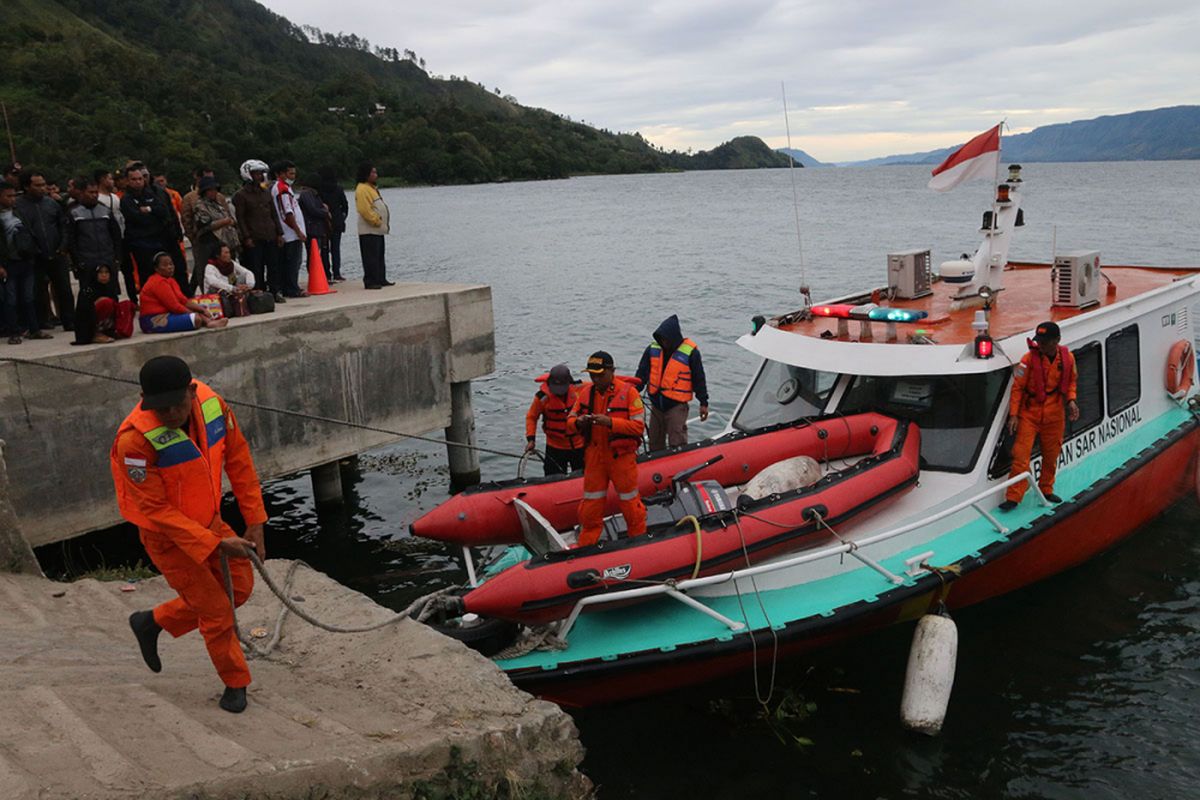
(1089, 382)
(784, 393)
(1123, 369)
(954, 411)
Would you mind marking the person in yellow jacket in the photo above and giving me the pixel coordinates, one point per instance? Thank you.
(1042, 400)
(373, 226)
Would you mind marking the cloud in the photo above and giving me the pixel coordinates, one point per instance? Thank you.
(864, 77)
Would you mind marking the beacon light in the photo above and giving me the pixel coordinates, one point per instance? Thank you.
(840, 311)
(896, 315)
(983, 346)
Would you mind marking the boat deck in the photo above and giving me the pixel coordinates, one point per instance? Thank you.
(1019, 307)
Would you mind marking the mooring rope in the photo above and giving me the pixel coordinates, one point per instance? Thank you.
(419, 610)
(762, 701)
(287, 412)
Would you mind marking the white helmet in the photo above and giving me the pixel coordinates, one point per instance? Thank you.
(253, 165)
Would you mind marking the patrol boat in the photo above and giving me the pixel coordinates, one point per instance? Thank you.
(937, 351)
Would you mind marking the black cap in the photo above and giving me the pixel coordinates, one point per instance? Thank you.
(598, 362)
(206, 183)
(1047, 331)
(165, 381)
(560, 379)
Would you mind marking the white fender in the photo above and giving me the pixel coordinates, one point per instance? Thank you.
(930, 674)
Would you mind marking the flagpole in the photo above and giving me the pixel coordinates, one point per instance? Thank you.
(995, 200)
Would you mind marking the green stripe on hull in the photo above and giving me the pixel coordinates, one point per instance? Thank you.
(665, 624)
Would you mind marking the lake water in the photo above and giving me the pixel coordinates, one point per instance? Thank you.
(1087, 685)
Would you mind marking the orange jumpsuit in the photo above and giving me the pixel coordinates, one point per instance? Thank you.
(168, 483)
(610, 455)
(1039, 417)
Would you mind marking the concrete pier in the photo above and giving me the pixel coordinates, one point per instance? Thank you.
(464, 462)
(327, 483)
(15, 553)
(395, 713)
(394, 359)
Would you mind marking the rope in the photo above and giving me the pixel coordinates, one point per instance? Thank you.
(851, 544)
(542, 637)
(699, 542)
(764, 702)
(274, 410)
(420, 609)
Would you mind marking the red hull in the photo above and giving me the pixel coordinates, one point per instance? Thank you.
(545, 589)
(1097, 523)
(484, 515)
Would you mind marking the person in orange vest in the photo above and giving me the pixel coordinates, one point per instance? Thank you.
(552, 403)
(166, 463)
(1043, 398)
(672, 372)
(608, 413)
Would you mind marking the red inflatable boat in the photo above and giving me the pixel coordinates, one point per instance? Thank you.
(729, 533)
(485, 514)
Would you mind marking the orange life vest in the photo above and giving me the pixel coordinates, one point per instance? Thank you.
(618, 407)
(190, 468)
(674, 379)
(554, 418)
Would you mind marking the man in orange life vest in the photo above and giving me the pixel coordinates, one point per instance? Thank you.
(609, 415)
(672, 372)
(166, 463)
(552, 403)
(1043, 388)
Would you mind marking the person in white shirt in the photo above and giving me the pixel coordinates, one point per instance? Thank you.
(223, 274)
(287, 205)
(108, 197)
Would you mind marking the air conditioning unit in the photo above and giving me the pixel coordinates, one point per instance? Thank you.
(1076, 279)
(910, 273)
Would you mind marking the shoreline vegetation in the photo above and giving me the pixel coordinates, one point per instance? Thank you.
(181, 84)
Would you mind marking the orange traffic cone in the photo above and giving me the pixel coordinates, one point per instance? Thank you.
(316, 271)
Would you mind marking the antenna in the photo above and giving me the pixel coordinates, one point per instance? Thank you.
(11, 147)
(795, 198)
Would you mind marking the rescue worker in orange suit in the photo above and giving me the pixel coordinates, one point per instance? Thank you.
(552, 403)
(1043, 398)
(166, 464)
(609, 415)
(672, 372)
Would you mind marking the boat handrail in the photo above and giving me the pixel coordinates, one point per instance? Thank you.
(676, 589)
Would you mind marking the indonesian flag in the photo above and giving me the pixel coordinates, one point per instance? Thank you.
(975, 159)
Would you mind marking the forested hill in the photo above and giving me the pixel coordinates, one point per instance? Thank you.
(1163, 134)
(179, 83)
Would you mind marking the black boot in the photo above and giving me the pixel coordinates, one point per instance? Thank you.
(147, 630)
(233, 700)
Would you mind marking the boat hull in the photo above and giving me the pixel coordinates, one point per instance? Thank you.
(1103, 516)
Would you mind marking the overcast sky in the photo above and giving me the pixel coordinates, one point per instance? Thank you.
(864, 78)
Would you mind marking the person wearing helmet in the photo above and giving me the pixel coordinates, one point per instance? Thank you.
(259, 228)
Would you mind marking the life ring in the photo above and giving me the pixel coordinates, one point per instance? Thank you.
(1181, 368)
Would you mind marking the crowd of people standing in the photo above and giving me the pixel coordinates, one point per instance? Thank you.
(131, 226)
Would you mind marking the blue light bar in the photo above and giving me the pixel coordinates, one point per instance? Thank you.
(896, 315)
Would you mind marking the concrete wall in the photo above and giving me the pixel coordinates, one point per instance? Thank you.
(379, 358)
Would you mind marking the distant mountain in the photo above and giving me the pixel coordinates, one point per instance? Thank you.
(802, 158)
(1164, 134)
(744, 152)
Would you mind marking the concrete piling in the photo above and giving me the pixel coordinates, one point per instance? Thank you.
(464, 461)
(327, 483)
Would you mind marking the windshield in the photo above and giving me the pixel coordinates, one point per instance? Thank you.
(783, 393)
(953, 411)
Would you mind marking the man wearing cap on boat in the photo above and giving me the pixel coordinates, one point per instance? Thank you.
(166, 463)
(609, 415)
(552, 403)
(1043, 398)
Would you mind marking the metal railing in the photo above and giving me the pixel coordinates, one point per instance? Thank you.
(677, 590)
